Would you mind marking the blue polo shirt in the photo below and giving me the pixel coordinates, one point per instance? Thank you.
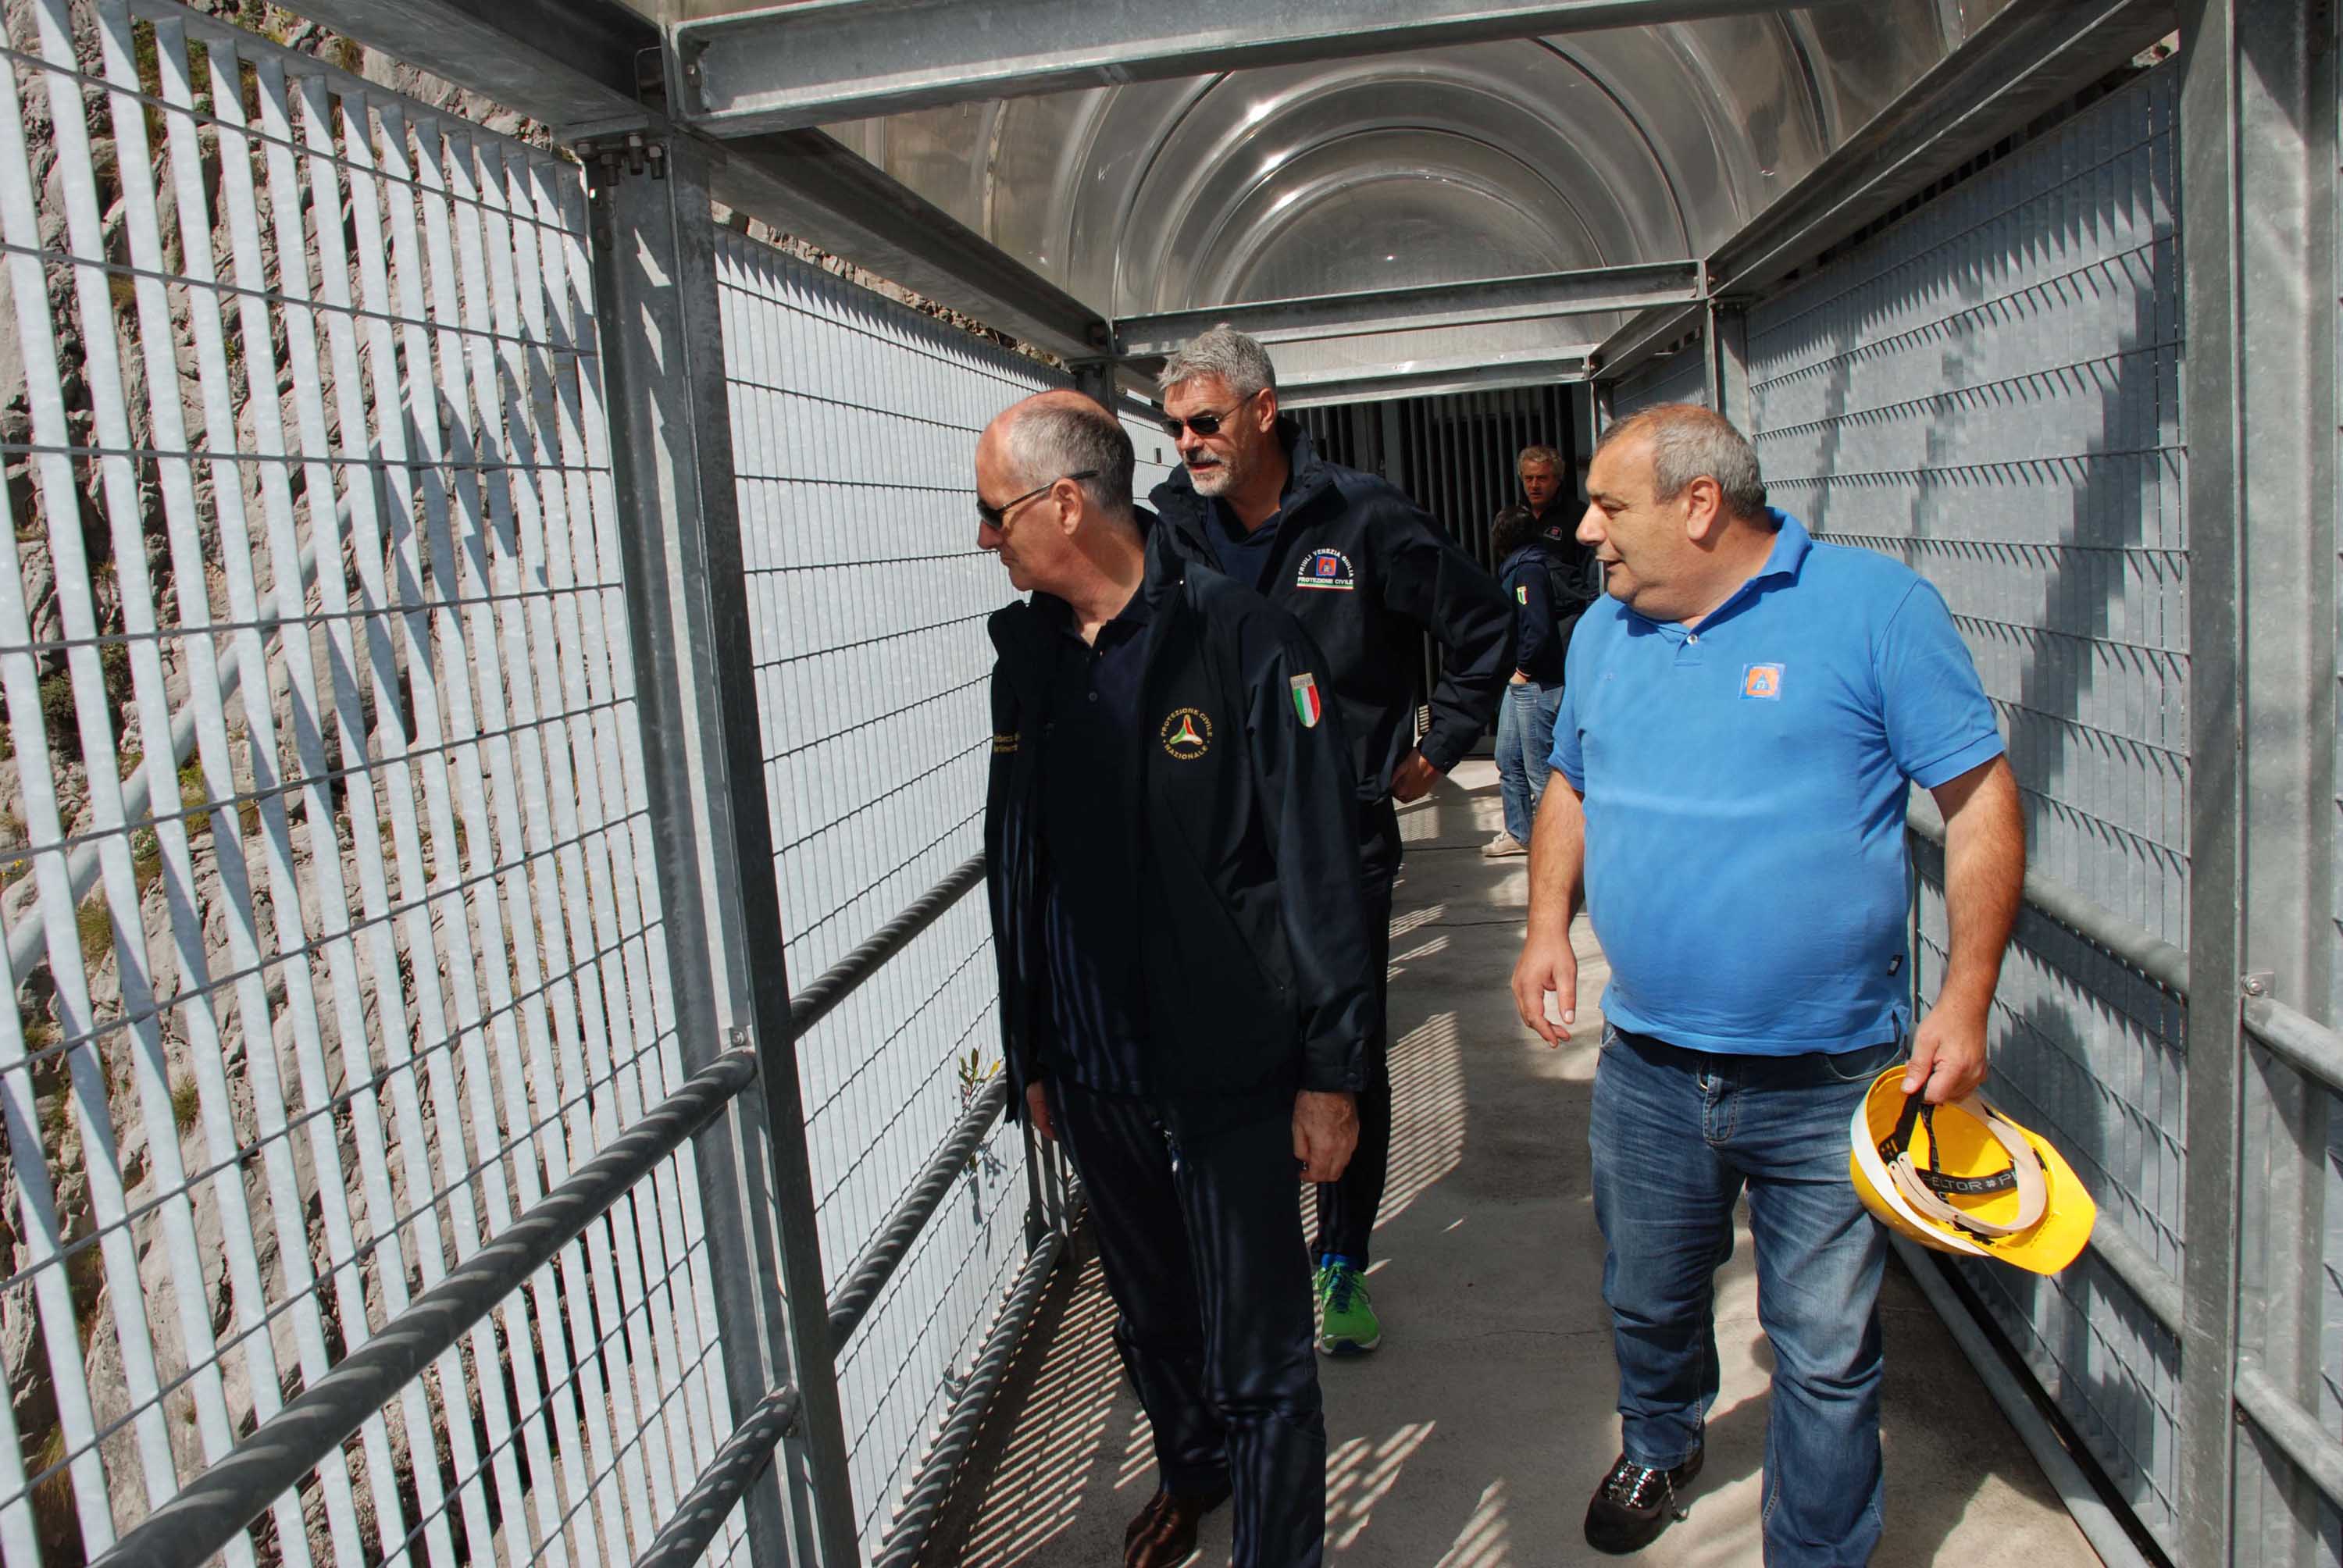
(1745, 783)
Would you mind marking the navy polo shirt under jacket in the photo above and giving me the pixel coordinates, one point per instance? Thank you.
(1745, 783)
(1090, 919)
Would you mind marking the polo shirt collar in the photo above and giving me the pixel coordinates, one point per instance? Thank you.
(1792, 544)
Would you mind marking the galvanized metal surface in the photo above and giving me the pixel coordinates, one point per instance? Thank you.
(1678, 377)
(387, 962)
(1987, 390)
(854, 425)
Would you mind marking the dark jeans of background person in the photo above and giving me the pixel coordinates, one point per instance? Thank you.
(1201, 1239)
(1346, 1208)
(1524, 751)
(1677, 1135)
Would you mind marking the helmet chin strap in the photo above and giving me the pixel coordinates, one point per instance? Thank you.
(1923, 1189)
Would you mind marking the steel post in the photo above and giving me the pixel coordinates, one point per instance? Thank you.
(671, 456)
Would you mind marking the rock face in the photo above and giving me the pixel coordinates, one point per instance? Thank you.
(172, 1013)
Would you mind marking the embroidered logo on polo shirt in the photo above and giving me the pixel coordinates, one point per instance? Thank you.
(1760, 682)
(1327, 569)
(1187, 734)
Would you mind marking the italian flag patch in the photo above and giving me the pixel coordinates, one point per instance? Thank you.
(1306, 702)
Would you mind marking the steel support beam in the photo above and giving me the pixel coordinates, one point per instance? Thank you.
(1372, 312)
(1726, 342)
(2257, 169)
(671, 461)
(1433, 377)
(788, 66)
(566, 63)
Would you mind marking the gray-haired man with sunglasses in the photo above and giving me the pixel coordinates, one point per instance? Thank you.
(1368, 573)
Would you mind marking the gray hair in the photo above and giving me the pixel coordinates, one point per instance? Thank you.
(1538, 457)
(1690, 442)
(1049, 440)
(1226, 353)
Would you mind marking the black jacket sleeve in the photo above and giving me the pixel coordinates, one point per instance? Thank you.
(1533, 609)
(1433, 582)
(1309, 813)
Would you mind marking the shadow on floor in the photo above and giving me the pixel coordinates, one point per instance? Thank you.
(1473, 1438)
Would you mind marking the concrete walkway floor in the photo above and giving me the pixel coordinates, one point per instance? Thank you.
(1473, 1438)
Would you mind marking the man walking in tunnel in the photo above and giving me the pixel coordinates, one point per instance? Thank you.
(1552, 578)
(1186, 995)
(1368, 573)
(1741, 719)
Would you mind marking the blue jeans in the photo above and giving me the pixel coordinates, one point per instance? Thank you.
(1525, 752)
(1677, 1135)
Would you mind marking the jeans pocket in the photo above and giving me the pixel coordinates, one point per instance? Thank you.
(1864, 1062)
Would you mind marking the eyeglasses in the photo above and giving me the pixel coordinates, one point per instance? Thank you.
(995, 516)
(1202, 424)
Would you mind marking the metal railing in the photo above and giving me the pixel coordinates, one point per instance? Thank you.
(215, 1508)
(2301, 1045)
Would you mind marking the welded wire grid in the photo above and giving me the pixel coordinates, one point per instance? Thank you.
(1989, 391)
(330, 915)
(2093, 1052)
(854, 427)
(1678, 377)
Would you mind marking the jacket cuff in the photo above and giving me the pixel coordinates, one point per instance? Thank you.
(1443, 748)
(1335, 1074)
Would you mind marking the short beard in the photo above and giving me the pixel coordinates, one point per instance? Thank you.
(1217, 479)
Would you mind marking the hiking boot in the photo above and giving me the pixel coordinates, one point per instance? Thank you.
(1503, 845)
(1635, 1503)
(1347, 1324)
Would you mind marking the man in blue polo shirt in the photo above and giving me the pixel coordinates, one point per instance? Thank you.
(1741, 719)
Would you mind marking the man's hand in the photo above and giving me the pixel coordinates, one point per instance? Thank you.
(1948, 1055)
(1325, 1132)
(1414, 778)
(1037, 1110)
(1547, 964)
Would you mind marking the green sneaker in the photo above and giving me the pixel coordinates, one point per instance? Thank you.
(1347, 1324)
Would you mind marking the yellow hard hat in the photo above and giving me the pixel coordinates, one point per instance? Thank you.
(1963, 1178)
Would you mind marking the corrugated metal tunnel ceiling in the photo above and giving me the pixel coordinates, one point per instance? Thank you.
(1487, 160)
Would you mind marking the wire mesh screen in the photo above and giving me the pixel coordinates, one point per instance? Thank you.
(854, 423)
(330, 920)
(1678, 377)
(1988, 391)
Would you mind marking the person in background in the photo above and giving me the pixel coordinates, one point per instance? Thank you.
(1743, 717)
(1186, 989)
(1369, 574)
(1549, 582)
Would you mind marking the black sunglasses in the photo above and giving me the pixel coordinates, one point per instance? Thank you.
(994, 517)
(1202, 424)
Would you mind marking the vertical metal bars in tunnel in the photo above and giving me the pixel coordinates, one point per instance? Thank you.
(333, 923)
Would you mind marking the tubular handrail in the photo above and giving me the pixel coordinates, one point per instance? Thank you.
(749, 1449)
(2306, 1045)
(215, 1506)
(908, 1534)
(811, 1005)
(2143, 949)
(2294, 1431)
(218, 1504)
(684, 1539)
(878, 1262)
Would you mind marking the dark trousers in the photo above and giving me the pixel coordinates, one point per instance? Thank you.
(1346, 1207)
(1200, 1234)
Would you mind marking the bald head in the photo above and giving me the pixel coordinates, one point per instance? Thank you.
(1054, 433)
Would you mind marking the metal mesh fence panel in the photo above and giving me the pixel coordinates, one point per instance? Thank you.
(1988, 390)
(855, 422)
(329, 909)
(1680, 377)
